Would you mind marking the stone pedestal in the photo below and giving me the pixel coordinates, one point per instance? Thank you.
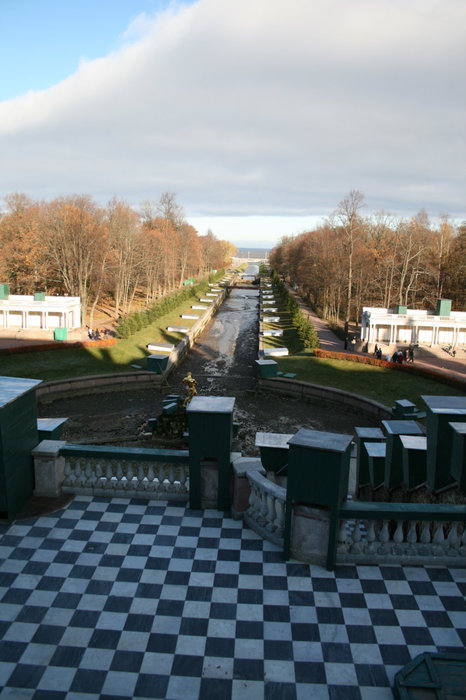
(311, 529)
(414, 460)
(210, 420)
(365, 435)
(441, 411)
(394, 455)
(49, 468)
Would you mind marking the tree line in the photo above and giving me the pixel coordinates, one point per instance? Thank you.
(353, 261)
(73, 246)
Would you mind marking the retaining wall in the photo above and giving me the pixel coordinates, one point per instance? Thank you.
(304, 390)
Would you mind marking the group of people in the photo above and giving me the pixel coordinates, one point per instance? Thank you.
(97, 334)
(399, 356)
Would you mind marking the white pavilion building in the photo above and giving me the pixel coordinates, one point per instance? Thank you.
(38, 311)
(414, 326)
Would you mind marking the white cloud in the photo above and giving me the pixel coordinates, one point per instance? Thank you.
(258, 107)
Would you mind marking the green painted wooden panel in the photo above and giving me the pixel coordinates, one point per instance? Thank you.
(18, 437)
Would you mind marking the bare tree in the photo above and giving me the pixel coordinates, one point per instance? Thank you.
(71, 229)
(126, 257)
(348, 220)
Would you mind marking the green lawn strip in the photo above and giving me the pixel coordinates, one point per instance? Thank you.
(285, 324)
(378, 383)
(77, 362)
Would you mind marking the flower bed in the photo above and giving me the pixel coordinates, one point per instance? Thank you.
(42, 347)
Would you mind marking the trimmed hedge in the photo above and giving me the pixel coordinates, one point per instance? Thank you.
(307, 337)
(130, 324)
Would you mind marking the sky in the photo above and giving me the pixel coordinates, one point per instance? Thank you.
(261, 115)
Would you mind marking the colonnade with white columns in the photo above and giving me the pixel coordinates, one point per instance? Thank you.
(26, 312)
(416, 326)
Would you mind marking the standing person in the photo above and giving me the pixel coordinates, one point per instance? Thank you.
(375, 349)
(411, 354)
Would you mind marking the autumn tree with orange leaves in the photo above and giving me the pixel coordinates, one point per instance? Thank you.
(73, 246)
(353, 261)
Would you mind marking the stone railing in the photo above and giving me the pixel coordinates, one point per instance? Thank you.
(125, 472)
(402, 533)
(370, 533)
(266, 512)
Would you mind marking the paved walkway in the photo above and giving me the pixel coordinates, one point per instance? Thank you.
(436, 357)
(119, 598)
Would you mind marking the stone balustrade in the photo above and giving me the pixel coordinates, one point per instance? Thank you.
(126, 472)
(369, 533)
(402, 533)
(266, 512)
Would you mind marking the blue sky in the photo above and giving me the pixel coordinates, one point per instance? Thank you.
(261, 115)
(43, 41)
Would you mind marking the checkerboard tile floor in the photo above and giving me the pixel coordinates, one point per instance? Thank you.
(122, 598)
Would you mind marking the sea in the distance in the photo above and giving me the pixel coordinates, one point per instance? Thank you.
(253, 253)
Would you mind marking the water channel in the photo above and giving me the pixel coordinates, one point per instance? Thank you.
(223, 363)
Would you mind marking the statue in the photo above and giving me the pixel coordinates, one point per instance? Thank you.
(191, 385)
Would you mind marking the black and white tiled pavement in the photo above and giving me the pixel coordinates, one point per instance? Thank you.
(123, 598)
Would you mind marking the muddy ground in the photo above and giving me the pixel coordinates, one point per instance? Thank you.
(223, 364)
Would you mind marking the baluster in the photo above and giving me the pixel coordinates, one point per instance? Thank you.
(263, 508)
(161, 477)
(258, 508)
(90, 473)
(110, 482)
(411, 538)
(453, 540)
(270, 513)
(384, 536)
(398, 534)
(129, 473)
(69, 472)
(425, 533)
(425, 539)
(141, 484)
(342, 536)
(371, 547)
(119, 473)
(356, 538)
(171, 478)
(398, 538)
(183, 478)
(280, 517)
(252, 498)
(98, 476)
(150, 477)
(438, 540)
(78, 473)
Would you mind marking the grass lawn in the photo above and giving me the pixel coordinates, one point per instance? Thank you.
(76, 362)
(378, 383)
(383, 385)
